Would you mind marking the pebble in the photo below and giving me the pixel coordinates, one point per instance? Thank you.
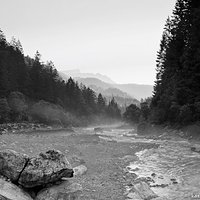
(153, 174)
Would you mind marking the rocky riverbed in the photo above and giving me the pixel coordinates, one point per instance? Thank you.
(22, 127)
(117, 163)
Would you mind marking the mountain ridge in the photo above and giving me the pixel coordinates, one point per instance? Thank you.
(129, 90)
(78, 73)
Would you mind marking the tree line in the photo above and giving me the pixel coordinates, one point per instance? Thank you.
(176, 96)
(40, 81)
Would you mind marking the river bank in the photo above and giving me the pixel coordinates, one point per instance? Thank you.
(27, 127)
(190, 132)
(105, 160)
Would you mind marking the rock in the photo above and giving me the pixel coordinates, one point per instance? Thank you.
(160, 185)
(134, 196)
(12, 164)
(129, 158)
(195, 149)
(144, 191)
(153, 174)
(64, 191)
(98, 130)
(46, 168)
(75, 160)
(80, 170)
(9, 191)
(142, 128)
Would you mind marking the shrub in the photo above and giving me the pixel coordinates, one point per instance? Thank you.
(185, 115)
(158, 115)
(18, 105)
(48, 113)
(132, 114)
(4, 110)
(174, 111)
(197, 111)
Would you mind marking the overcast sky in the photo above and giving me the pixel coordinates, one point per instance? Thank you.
(118, 38)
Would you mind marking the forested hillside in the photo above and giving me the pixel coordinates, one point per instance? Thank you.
(40, 81)
(176, 96)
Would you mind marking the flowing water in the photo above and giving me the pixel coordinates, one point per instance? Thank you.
(172, 169)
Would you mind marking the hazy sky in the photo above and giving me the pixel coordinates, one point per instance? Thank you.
(118, 38)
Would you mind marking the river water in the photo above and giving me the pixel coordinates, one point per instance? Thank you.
(172, 169)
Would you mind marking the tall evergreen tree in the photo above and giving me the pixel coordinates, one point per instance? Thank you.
(113, 109)
(101, 103)
(177, 69)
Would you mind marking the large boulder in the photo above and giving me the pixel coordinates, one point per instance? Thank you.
(46, 168)
(12, 164)
(9, 191)
(64, 191)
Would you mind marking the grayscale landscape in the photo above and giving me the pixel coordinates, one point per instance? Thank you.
(100, 100)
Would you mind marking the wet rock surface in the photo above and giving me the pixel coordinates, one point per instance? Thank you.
(46, 168)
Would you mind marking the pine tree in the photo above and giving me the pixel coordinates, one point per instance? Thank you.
(132, 114)
(169, 92)
(3, 42)
(113, 109)
(101, 104)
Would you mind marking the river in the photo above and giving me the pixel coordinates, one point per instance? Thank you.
(172, 169)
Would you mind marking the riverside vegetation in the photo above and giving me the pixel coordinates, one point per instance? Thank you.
(176, 96)
(31, 90)
(27, 85)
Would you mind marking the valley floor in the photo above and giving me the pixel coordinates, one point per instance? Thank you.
(105, 178)
(108, 152)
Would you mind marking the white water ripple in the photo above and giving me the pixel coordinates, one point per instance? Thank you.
(174, 169)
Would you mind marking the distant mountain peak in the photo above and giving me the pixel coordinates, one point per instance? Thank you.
(101, 83)
(76, 73)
